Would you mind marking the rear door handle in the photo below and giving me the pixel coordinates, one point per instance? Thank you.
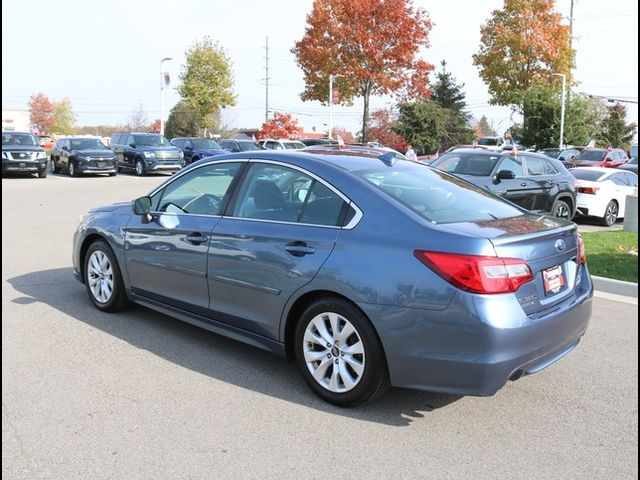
(299, 249)
(196, 238)
(523, 184)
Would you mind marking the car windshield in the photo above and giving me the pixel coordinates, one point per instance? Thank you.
(553, 153)
(293, 145)
(488, 141)
(568, 154)
(592, 155)
(205, 144)
(248, 146)
(586, 174)
(150, 140)
(25, 139)
(86, 144)
(437, 196)
(476, 164)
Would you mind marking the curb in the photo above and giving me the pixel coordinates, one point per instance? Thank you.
(617, 287)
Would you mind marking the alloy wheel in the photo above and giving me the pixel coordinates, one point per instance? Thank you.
(611, 214)
(100, 276)
(334, 352)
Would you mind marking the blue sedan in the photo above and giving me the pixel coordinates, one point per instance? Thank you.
(366, 270)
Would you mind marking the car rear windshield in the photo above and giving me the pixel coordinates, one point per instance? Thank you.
(86, 144)
(206, 144)
(476, 164)
(591, 155)
(488, 141)
(20, 139)
(293, 145)
(437, 196)
(586, 174)
(150, 140)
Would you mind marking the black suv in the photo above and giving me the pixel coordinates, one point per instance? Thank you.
(533, 181)
(145, 152)
(196, 148)
(22, 153)
(78, 155)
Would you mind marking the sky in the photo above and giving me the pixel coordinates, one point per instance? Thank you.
(105, 57)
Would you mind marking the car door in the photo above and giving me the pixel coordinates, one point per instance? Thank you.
(280, 229)
(129, 151)
(543, 177)
(187, 148)
(166, 257)
(519, 190)
(621, 189)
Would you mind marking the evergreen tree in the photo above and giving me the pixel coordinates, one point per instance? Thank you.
(449, 94)
(615, 131)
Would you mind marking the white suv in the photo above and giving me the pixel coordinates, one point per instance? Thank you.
(284, 144)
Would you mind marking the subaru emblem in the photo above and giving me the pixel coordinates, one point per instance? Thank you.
(560, 245)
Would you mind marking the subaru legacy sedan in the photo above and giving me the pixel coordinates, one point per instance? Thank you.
(367, 271)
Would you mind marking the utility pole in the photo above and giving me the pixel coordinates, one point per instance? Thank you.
(266, 81)
(562, 105)
(571, 26)
(330, 105)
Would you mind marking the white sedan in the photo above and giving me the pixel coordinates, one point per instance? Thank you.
(602, 192)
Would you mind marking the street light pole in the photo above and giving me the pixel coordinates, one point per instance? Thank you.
(165, 59)
(562, 106)
(330, 104)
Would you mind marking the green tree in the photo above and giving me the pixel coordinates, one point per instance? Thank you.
(423, 124)
(521, 45)
(206, 81)
(63, 117)
(449, 94)
(583, 119)
(615, 131)
(182, 121)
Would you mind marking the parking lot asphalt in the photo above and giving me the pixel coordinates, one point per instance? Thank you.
(140, 395)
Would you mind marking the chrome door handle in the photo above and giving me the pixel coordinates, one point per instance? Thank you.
(299, 249)
(196, 238)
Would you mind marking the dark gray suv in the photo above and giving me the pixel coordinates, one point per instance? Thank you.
(145, 152)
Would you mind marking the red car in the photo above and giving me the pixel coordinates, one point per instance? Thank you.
(599, 157)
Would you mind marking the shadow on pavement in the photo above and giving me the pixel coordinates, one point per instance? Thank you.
(213, 355)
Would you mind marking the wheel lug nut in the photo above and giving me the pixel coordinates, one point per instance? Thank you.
(342, 354)
(336, 362)
(328, 355)
(328, 345)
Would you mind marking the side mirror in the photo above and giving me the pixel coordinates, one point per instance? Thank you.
(505, 175)
(132, 145)
(142, 206)
(188, 147)
(235, 149)
(608, 159)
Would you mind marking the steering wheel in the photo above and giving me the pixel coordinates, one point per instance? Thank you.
(205, 204)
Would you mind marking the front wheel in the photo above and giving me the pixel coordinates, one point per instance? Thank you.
(339, 353)
(561, 209)
(103, 279)
(54, 167)
(610, 214)
(73, 172)
(42, 173)
(140, 168)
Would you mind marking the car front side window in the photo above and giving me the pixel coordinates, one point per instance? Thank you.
(202, 191)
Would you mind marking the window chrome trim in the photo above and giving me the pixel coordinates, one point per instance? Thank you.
(349, 226)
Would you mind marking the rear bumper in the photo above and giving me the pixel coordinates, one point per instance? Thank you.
(479, 342)
(591, 205)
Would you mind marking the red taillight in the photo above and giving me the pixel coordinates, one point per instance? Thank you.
(478, 274)
(582, 253)
(589, 190)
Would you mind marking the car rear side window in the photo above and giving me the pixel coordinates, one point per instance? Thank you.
(278, 193)
(539, 166)
(437, 196)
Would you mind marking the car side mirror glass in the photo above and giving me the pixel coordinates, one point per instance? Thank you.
(188, 147)
(132, 145)
(505, 175)
(141, 206)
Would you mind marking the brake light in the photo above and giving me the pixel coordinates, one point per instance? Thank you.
(588, 190)
(582, 253)
(478, 274)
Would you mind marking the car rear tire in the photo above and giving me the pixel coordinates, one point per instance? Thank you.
(54, 168)
(339, 353)
(610, 214)
(103, 279)
(561, 209)
(140, 168)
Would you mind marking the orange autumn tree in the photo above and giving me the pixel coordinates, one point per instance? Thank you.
(521, 46)
(282, 125)
(371, 46)
(382, 128)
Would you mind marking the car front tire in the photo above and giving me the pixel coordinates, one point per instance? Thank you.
(140, 168)
(103, 279)
(339, 353)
